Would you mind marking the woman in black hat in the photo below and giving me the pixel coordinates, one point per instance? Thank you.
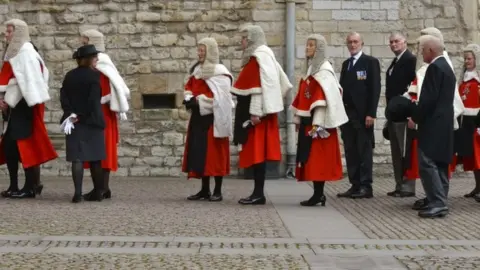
(83, 121)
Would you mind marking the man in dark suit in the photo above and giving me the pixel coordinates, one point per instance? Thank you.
(434, 115)
(399, 76)
(360, 80)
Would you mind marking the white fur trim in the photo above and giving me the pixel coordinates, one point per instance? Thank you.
(471, 75)
(471, 111)
(13, 95)
(318, 103)
(187, 93)
(120, 93)
(246, 92)
(32, 83)
(106, 99)
(12, 81)
(335, 114)
(220, 85)
(274, 81)
(256, 105)
(319, 116)
(206, 104)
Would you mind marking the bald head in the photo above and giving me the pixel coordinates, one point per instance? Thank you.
(432, 47)
(354, 43)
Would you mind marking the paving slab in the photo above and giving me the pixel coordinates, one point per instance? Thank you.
(309, 222)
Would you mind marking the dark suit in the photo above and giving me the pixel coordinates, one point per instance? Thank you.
(434, 115)
(398, 78)
(361, 92)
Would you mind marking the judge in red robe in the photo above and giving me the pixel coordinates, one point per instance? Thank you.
(115, 95)
(24, 89)
(319, 111)
(207, 96)
(467, 137)
(260, 88)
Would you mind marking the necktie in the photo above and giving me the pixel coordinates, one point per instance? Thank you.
(350, 62)
(390, 69)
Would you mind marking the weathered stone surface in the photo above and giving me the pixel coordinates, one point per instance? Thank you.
(153, 43)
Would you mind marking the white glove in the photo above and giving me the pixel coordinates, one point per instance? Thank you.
(67, 125)
(478, 131)
(123, 116)
(188, 97)
(320, 132)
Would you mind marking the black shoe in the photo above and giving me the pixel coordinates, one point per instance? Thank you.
(421, 204)
(314, 200)
(77, 198)
(434, 212)
(363, 193)
(93, 196)
(199, 196)
(23, 194)
(39, 189)
(393, 193)
(477, 197)
(253, 200)
(472, 194)
(8, 193)
(216, 198)
(347, 194)
(107, 194)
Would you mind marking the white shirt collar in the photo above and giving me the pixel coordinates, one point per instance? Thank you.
(356, 56)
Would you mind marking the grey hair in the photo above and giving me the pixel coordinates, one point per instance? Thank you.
(355, 34)
(399, 34)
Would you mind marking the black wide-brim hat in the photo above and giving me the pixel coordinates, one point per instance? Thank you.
(399, 108)
(85, 51)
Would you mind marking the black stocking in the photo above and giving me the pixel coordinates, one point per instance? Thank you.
(259, 171)
(106, 179)
(12, 166)
(96, 172)
(318, 189)
(218, 185)
(205, 185)
(30, 174)
(476, 174)
(77, 174)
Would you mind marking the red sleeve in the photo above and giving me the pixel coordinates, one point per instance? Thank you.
(248, 81)
(188, 85)
(6, 74)
(105, 84)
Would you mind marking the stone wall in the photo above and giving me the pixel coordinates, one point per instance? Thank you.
(154, 42)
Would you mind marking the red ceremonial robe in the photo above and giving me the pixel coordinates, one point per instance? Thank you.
(324, 159)
(471, 100)
(36, 149)
(111, 130)
(217, 159)
(263, 141)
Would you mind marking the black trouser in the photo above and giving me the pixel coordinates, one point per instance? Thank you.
(357, 141)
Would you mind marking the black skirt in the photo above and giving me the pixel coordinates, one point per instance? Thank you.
(86, 143)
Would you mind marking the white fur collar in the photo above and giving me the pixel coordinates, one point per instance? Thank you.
(120, 93)
(471, 75)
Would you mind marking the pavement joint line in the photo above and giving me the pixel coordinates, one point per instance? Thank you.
(225, 240)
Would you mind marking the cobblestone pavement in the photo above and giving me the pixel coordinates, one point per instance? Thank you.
(148, 224)
(141, 207)
(384, 217)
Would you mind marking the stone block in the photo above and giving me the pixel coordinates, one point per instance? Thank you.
(346, 15)
(325, 26)
(352, 4)
(389, 5)
(152, 83)
(324, 4)
(375, 15)
(320, 15)
(392, 15)
(268, 15)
